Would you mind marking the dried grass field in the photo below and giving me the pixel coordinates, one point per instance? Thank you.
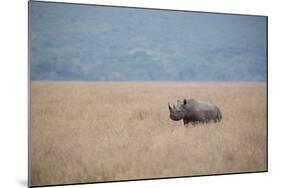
(106, 131)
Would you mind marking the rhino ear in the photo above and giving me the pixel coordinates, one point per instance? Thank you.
(184, 101)
(170, 108)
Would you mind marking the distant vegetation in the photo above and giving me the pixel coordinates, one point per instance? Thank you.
(102, 43)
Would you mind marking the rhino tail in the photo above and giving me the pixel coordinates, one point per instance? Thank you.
(219, 115)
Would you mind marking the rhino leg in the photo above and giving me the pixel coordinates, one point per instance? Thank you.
(185, 122)
(216, 120)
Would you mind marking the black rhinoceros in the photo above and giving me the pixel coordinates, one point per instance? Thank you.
(195, 111)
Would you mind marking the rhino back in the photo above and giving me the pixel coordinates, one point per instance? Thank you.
(201, 110)
(194, 110)
(193, 104)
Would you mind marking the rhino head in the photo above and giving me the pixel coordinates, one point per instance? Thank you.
(177, 112)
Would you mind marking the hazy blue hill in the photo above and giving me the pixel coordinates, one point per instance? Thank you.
(75, 42)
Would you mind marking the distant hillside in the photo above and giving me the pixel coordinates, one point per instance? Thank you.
(75, 42)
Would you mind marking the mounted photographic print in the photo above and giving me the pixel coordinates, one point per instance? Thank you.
(120, 93)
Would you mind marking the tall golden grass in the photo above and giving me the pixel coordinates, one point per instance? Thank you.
(104, 131)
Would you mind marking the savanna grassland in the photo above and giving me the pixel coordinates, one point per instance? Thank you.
(104, 131)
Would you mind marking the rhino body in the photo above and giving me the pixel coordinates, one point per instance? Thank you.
(195, 111)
